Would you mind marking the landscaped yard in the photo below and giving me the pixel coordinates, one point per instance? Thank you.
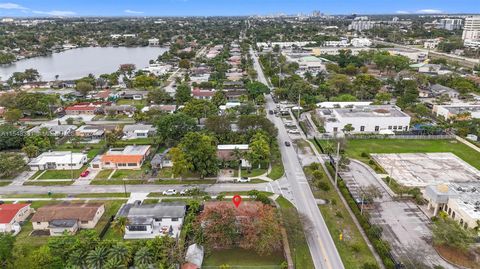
(252, 173)
(355, 147)
(62, 174)
(104, 174)
(165, 173)
(352, 249)
(242, 259)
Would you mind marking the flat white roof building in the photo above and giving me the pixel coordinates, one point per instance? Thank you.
(461, 201)
(58, 160)
(365, 119)
(453, 110)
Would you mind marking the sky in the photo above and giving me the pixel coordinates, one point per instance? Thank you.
(66, 8)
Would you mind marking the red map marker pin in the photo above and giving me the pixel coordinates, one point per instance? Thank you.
(237, 199)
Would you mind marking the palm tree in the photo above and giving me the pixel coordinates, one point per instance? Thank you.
(120, 253)
(119, 224)
(77, 259)
(96, 258)
(114, 264)
(143, 258)
(237, 154)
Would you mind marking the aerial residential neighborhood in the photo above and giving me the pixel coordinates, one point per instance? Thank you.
(240, 134)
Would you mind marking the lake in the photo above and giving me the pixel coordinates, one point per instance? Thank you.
(77, 63)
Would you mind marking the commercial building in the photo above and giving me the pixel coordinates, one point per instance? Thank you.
(365, 119)
(152, 220)
(130, 157)
(461, 201)
(69, 217)
(459, 111)
(361, 25)
(450, 24)
(58, 160)
(471, 29)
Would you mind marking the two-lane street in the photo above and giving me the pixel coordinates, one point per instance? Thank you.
(322, 248)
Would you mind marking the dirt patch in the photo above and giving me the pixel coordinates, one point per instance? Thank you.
(465, 259)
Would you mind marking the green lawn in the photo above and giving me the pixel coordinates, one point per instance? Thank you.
(62, 174)
(47, 183)
(165, 173)
(5, 182)
(352, 249)
(104, 174)
(355, 147)
(242, 259)
(184, 182)
(252, 173)
(101, 195)
(277, 171)
(129, 174)
(296, 237)
(53, 195)
(117, 182)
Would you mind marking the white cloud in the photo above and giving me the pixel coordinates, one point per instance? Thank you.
(56, 13)
(402, 12)
(12, 6)
(129, 11)
(429, 11)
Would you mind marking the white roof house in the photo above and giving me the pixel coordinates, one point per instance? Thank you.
(138, 131)
(54, 129)
(58, 160)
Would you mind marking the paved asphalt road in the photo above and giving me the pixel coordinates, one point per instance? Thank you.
(323, 250)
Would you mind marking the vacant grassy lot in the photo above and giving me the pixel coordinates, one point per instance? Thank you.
(47, 183)
(296, 237)
(129, 174)
(250, 173)
(352, 249)
(104, 174)
(355, 147)
(242, 259)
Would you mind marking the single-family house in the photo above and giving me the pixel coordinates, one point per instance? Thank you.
(437, 90)
(120, 109)
(54, 129)
(130, 157)
(58, 160)
(84, 108)
(227, 153)
(161, 160)
(133, 95)
(234, 95)
(134, 131)
(152, 220)
(12, 215)
(67, 217)
(94, 131)
(203, 94)
(162, 108)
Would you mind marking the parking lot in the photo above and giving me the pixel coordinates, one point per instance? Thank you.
(404, 225)
(422, 169)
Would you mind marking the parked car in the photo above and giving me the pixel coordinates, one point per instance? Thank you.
(287, 144)
(169, 192)
(243, 180)
(270, 112)
(85, 173)
(186, 191)
(294, 131)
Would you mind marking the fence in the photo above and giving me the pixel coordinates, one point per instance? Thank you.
(372, 231)
(377, 136)
(106, 227)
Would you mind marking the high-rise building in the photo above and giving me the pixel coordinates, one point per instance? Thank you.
(361, 25)
(450, 24)
(471, 29)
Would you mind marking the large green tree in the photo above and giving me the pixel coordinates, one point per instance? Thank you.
(200, 150)
(198, 108)
(172, 127)
(10, 137)
(183, 94)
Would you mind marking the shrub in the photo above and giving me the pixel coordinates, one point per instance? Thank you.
(339, 215)
(323, 185)
(365, 155)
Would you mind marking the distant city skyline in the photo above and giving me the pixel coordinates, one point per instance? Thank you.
(34, 8)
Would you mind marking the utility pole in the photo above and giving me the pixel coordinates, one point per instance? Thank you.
(336, 163)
